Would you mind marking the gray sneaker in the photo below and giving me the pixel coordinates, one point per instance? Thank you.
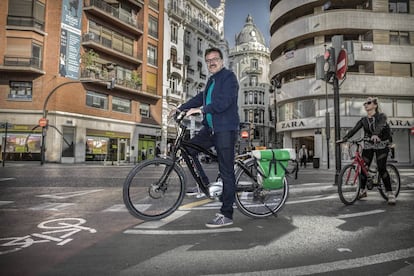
(219, 221)
(391, 198)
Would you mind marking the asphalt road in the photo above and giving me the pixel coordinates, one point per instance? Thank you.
(70, 220)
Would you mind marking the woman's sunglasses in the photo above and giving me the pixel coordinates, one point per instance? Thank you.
(368, 103)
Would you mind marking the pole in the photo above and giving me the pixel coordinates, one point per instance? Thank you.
(5, 144)
(337, 129)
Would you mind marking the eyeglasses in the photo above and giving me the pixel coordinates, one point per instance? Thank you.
(368, 103)
(213, 60)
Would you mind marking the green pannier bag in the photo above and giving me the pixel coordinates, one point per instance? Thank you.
(272, 165)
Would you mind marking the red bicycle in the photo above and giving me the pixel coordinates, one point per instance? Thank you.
(350, 177)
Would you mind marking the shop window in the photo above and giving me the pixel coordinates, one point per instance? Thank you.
(121, 105)
(144, 110)
(96, 100)
(404, 108)
(20, 90)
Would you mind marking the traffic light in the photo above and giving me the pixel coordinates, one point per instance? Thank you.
(330, 63)
(319, 68)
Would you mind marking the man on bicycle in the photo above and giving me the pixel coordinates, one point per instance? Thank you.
(218, 104)
(376, 130)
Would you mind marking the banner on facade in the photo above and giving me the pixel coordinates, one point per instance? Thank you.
(70, 38)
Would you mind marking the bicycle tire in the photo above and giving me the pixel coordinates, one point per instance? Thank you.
(349, 184)
(143, 196)
(395, 181)
(254, 201)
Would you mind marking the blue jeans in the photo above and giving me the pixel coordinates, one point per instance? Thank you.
(224, 143)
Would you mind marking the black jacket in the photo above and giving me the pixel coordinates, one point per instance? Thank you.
(378, 126)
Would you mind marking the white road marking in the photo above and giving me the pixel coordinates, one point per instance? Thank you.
(116, 208)
(5, 202)
(316, 198)
(69, 194)
(360, 214)
(344, 250)
(6, 178)
(181, 232)
(338, 265)
(52, 206)
(159, 223)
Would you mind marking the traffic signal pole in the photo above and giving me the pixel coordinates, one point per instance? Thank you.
(337, 129)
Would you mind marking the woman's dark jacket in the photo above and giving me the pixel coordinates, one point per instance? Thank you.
(378, 126)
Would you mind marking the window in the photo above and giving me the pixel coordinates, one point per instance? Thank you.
(151, 83)
(152, 55)
(174, 33)
(398, 6)
(355, 107)
(386, 106)
(96, 100)
(27, 13)
(254, 63)
(20, 90)
(173, 56)
(401, 69)
(144, 110)
(404, 108)
(200, 47)
(121, 105)
(153, 26)
(399, 38)
(187, 40)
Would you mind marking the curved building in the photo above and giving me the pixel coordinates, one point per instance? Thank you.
(382, 33)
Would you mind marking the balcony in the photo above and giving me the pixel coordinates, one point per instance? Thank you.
(174, 95)
(174, 68)
(117, 18)
(22, 64)
(99, 77)
(253, 70)
(25, 22)
(175, 12)
(105, 45)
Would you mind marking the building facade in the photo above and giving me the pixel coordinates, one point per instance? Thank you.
(382, 33)
(190, 27)
(249, 60)
(92, 68)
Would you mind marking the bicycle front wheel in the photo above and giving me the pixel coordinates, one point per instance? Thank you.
(395, 181)
(349, 184)
(252, 199)
(154, 189)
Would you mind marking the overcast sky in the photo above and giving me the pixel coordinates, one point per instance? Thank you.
(236, 13)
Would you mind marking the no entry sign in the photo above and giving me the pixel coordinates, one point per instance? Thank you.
(342, 64)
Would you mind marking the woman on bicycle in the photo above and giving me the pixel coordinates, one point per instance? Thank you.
(376, 129)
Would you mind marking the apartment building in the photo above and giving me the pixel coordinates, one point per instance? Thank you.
(190, 27)
(92, 68)
(382, 33)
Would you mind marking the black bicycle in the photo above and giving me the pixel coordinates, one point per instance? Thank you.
(155, 188)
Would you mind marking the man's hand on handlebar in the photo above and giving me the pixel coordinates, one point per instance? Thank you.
(193, 111)
(340, 141)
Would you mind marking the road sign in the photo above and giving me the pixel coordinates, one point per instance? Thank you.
(42, 122)
(342, 64)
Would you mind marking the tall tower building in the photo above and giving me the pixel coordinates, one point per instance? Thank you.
(382, 33)
(250, 59)
(92, 68)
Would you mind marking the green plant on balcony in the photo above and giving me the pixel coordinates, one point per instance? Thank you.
(136, 79)
(89, 60)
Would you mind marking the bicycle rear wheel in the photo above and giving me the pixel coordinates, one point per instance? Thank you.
(349, 184)
(154, 189)
(395, 181)
(254, 201)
